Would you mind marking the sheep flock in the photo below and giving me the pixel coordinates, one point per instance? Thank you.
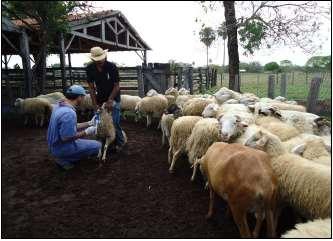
(296, 144)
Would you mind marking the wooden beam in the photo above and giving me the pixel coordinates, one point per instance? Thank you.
(103, 30)
(70, 42)
(91, 24)
(70, 67)
(10, 43)
(62, 62)
(25, 55)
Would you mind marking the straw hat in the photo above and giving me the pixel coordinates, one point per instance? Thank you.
(97, 53)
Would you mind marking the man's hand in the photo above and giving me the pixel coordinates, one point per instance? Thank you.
(92, 122)
(92, 130)
(109, 105)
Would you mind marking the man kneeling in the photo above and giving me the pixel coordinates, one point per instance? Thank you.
(64, 133)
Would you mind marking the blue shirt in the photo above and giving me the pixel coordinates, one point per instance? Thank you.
(62, 125)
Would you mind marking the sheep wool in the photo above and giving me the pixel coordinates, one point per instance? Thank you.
(195, 106)
(53, 98)
(319, 228)
(128, 102)
(171, 99)
(181, 100)
(283, 130)
(154, 104)
(166, 124)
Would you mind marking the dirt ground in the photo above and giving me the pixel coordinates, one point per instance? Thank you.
(132, 196)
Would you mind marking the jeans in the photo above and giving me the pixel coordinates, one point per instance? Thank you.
(72, 152)
(116, 113)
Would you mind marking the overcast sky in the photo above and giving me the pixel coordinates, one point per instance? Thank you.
(169, 28)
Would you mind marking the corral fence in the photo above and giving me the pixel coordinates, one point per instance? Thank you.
(297, 86)
(135, 80)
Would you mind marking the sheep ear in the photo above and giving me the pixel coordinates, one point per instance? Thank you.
(244, 124)
(298, 149)
(251, 108)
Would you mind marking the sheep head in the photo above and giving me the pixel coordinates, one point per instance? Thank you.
(258, 140)
(18, 102)
(210, 110)
(230, 126)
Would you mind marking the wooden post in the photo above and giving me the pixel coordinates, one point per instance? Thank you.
(7, 80)
(200, 81)
(237, 82)
(258, 84)
(271, 86)
(141, 91)
(190, 79)
(25, 55)
(207, 78)
(180, 77)
(62, 62)
(145, 58)
(221, 79)
(283, 89)
(306, 78)
(292, 78)
(70, 67)
(313, 94)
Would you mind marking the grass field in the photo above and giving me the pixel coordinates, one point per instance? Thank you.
(297, 87)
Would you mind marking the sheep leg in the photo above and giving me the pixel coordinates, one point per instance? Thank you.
(195, 167)
(211, 203)
(173, 163)
(107, 143)
(163, 138)
(159, 125)
(239, 215)
(170, 154)
(271, 226)
(260, 217)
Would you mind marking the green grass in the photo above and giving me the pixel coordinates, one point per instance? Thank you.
(296, 90)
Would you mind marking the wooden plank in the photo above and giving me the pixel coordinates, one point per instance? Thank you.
(62, 61)
(313, 94)
(25, 54)
(271, 86)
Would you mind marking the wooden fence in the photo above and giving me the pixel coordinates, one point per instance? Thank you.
(133, 80)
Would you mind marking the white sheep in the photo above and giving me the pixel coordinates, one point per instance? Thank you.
(205, 132)
(183, 91)
(151, 93)
(152, 105)
(128, 103)
(53, 98)
(195, 106)
(171, 99)
(86, 107)
(180, 131)
(166, 124)
(304, 184)
(225, 94)
(37, 108)
(172, 91)
(181, 100)
(319, 228)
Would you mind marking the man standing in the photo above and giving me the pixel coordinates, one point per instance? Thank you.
(64, 139)
(103, 78)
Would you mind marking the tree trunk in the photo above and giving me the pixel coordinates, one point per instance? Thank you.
(207, 55)
(223, 53)
(230, 17)
(39, 69)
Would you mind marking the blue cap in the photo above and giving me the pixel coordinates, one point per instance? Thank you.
(76, 89)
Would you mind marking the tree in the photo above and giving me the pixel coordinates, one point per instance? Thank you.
(318, 63)
(207, 36)
(46, 19)
(222, 33)
(267, 23)
(254, 67)
(272, 66)
(286, 65)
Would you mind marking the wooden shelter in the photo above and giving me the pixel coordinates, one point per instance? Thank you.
(108, 29)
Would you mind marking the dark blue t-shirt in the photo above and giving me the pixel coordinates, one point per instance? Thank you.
(103, 80)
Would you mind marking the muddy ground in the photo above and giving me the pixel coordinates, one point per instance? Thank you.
(132, 196)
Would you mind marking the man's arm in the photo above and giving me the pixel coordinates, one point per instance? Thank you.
(92, 92)
(83, 125)
(115, 90)
(68, 128)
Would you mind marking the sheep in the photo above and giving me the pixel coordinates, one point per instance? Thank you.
(225, 94)
(171, 99)
(283, 130)
(180, 131)
(183, 91)
(167, 119)
(128, 103)
(244, 178)
(204, 134)
(195, 106)
(105, 131)
(37, 108)
(151, 93)
(53, 98)
(232, 101)
(314, 150)
(172, 91)
(319, 228)
(304, 184)
(152, 105)
(322, 126)
(86, 107)
(181, 100)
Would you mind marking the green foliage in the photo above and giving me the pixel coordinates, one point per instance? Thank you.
(317, 63)
(251, 35)
(254, 67)
(207, 36)
(222, 31)
(286, 65)
(272, 66)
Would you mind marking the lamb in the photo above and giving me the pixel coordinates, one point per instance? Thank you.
(180, 131)
(195, 106)
(167, 119)
(151, 93)
(244, 178)
(319, 228)
(304, 184)
(204, 134)
(314, 150)
(152, 105)
(53, 98)
(37, 108)
(105, 131)
(172, 91)
(128, 103)
(181, 100)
